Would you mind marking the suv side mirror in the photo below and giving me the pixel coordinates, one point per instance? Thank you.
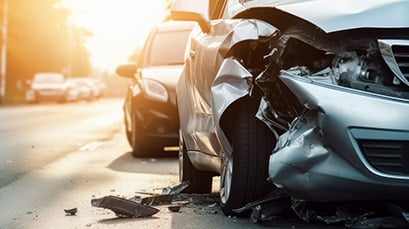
(192, 10)
(126, 70)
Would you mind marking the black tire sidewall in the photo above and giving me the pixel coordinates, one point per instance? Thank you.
(252, 144)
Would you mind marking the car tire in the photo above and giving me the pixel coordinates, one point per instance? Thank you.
(244, 173)
(139, 140)
(199, 181)
(127, 132)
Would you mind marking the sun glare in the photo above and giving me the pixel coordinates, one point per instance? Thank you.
(119, 26)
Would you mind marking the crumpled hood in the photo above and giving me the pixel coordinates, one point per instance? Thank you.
(336, 15)
(168, 75)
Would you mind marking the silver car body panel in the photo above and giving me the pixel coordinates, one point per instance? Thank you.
(386, 49)
(322, 156)
(321, 150)
(340, 15)
(213, 92)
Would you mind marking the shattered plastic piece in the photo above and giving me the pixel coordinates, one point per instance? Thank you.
(176, 189)
(123, 207)
(157, 200)
(198, 199)
(273, 205)
(166, 197)
(330, 213)
(356, 215)
(271, 210)
(71, 211)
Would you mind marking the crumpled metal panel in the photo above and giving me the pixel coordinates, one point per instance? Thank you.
(320, 158)
(343, 14)
(201, 73)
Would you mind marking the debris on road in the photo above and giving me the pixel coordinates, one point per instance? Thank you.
(123, 207)
(157, 200)
(137, 206)
(176, 189)
(274, 205)
(71, 211)
(166, 197)
(356, 214)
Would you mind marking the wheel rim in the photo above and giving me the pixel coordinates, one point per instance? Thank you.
(226, 178)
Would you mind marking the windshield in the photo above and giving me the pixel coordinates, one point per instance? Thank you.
(168, 48)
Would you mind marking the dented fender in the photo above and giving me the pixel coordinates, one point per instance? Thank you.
(214, 77)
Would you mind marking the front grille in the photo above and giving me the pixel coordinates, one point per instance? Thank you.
(396, 55)
(401, 54)
(390, 157)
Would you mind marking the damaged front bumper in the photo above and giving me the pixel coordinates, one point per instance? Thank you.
(347, 145)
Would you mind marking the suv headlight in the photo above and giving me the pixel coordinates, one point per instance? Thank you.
(155, 90)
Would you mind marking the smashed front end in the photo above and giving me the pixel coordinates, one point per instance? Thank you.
(339, 103)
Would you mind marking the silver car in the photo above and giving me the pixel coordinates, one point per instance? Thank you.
(308, 96)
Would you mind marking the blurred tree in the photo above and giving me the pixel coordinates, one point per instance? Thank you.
(41, 38)
(80, 58)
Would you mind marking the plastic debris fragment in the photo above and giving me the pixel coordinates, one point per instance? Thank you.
(123, 207)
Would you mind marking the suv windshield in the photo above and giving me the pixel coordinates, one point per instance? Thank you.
(168, 48)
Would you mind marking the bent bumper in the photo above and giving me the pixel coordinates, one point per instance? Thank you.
(349, 145)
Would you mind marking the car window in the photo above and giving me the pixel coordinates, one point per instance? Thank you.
(168, 48)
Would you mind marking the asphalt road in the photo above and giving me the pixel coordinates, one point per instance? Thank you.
(55, 157)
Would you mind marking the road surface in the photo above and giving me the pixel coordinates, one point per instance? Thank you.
(55, 157)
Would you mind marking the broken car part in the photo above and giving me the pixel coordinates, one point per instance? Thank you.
(123, 207)
(71, 211)
(171, 190)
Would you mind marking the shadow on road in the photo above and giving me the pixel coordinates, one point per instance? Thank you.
(117, 220)
(130, 164)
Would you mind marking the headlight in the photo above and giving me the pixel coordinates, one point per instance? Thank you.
(155, 90)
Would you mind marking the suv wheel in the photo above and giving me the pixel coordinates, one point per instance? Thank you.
(244, 173)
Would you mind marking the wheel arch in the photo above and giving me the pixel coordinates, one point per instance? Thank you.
(230, 86)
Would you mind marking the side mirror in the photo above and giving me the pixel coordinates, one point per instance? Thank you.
(192, 10)
(127, 70)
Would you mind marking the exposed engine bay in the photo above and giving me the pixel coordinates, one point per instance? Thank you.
(307, 52)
